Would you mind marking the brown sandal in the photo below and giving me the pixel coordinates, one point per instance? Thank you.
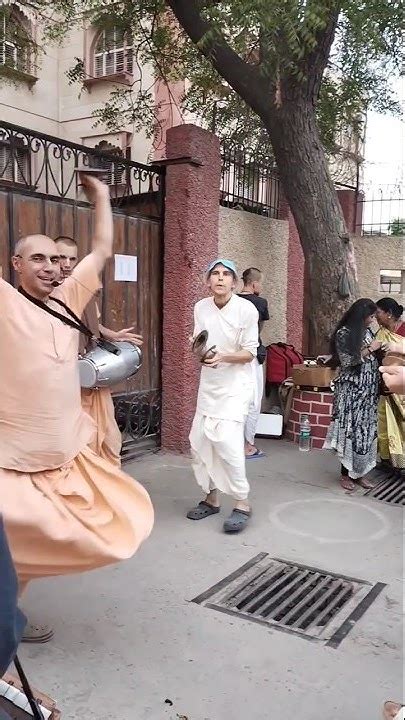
(347, 483)
(366, 484)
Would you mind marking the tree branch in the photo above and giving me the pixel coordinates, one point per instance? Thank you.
(245, 79)
(317, 61)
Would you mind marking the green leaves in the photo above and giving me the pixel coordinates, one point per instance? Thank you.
(288, 41)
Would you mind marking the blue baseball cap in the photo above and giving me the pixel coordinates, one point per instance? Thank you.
(229, 264)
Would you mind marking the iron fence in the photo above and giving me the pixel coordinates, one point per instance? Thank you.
(138, 416)
(381, 212)
(48, 164)
(249, 184)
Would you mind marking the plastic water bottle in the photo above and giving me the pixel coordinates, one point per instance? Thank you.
(305, 434)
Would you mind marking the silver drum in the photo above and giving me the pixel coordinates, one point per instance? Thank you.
(100, 368)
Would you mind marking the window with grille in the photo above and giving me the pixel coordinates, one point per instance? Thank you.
(391, 281)
(114, 169)
(14, 42)
(14, 161)
(113, 53)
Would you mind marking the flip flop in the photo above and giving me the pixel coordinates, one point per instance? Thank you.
(202, 510)
(37, 633)
(255, 455)
(237, 521)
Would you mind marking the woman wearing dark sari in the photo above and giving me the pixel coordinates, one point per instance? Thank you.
(353, 431)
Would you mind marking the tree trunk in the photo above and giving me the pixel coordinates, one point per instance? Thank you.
(314, 203)
(287, 109)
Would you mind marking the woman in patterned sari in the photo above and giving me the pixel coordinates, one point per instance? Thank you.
(353, 431)
(391, 408)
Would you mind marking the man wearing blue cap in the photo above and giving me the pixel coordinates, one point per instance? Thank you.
(226, 389)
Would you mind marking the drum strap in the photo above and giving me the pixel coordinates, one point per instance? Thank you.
(36, 712)
(73, 321)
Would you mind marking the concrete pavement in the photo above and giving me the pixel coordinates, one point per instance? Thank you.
(128, 638)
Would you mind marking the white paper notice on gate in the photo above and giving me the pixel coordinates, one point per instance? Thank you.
(126, 268)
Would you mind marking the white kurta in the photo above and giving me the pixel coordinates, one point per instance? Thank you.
(256, 404)
(224, 396)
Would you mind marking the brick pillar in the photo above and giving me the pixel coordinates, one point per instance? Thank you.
(295, 280)
(352, 203)
(316, 404)
(191, 242)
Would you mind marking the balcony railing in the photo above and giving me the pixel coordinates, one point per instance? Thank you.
(48, 164)
(249, 184)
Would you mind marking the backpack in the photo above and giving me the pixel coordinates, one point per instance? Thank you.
(280, 361)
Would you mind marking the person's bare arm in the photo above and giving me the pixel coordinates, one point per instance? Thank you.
(395, 347)
(98, 194)
(394, 378)
(124, 335)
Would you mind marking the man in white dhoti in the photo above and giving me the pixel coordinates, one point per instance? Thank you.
(225, 392)
(252, 288)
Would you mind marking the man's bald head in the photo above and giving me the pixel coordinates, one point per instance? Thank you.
(36, 261)
(35, 244)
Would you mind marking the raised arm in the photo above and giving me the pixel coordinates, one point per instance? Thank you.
(78, 289)
(99, 195)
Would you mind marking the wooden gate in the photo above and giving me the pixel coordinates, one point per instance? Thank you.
(124, 304)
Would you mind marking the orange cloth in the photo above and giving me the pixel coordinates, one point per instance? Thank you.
(82, 516)
(65, 508)
(91, 317)
(99, 405)
(42, 425)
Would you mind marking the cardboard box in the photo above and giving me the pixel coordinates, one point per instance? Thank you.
(269, 425)
(313, 376)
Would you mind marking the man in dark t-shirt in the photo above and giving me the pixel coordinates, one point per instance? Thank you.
(252, 287)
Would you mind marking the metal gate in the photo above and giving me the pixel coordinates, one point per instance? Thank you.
(39, 194)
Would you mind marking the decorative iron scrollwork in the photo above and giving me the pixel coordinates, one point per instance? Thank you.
(138, 414)
(48, 164)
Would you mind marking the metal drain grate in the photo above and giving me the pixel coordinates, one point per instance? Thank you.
(389, 491)
(292, 597)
